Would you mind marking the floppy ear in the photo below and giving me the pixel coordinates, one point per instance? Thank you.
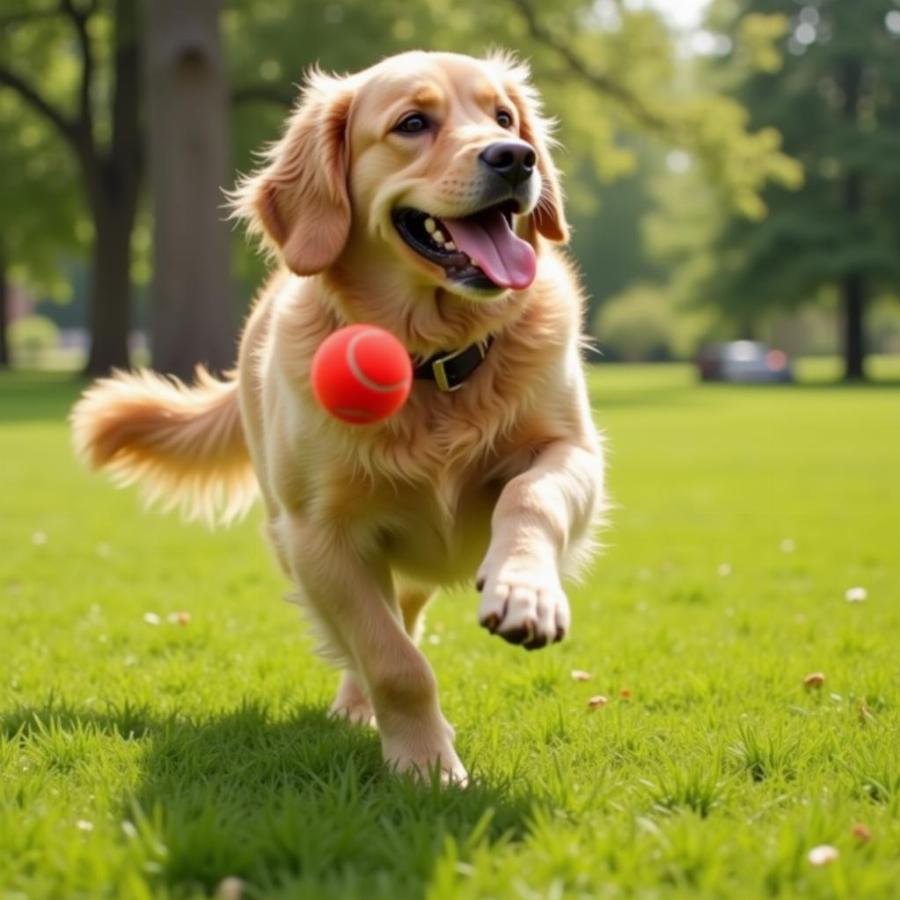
(549, 217)
(298, 201)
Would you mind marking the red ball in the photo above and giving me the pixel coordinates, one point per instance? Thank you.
(361, 374)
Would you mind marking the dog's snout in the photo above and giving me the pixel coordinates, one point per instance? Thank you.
(512, 160)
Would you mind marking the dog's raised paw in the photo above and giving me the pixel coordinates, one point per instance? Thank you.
(523, 602)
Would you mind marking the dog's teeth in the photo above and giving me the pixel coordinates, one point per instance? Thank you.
(449, 245)
(473, 261)
(430, 225)
(438, 236)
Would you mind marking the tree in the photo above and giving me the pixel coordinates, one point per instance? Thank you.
(4, 310)
(188, 140)
(608, 72)
(834, 94)
(628, 63)
(41, 219)
(110, 167)
(606, 69)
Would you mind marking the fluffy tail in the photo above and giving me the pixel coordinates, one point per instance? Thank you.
(185, 444)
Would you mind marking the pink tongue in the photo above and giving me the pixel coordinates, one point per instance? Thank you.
(505, 258)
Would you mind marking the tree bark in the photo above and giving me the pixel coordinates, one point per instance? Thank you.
(110, 307)
(114, 182)
(188, 145)
(854, 302)
(853, 285)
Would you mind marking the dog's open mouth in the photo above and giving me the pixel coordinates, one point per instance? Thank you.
(479, 251)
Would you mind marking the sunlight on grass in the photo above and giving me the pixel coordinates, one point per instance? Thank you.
(141, 759)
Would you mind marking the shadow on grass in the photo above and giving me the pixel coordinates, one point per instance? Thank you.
(297, 806)
(34, 396)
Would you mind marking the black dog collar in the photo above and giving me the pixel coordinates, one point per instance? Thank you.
(449, 370)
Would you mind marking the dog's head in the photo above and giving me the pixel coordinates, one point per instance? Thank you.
(433, 163)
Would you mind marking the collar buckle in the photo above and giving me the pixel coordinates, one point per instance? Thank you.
(440, 372)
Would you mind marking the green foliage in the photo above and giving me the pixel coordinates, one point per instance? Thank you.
(631, 85)
(46, 219)
(884, 325)
(606, 222)
(41, 216)
(624, 95)
(30, 337)
(638, 324)
(758, 42)
(834, 101)
(141, 760)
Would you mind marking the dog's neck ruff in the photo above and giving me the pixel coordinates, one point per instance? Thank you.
(450, 369)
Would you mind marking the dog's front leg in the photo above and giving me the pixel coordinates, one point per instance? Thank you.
(352, 599)
(542, 517)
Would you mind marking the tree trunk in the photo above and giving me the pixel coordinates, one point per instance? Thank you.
(853, 286)
(114, 182)
(188, 145)
(854, 300)
(4, 311)
(110, 306)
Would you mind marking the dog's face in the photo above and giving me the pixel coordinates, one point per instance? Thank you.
(433, 164)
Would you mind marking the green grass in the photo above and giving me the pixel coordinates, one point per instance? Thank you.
(145, 760)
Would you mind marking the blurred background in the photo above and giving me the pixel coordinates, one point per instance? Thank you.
(732, 167)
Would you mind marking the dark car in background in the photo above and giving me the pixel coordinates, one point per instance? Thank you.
(743, 361)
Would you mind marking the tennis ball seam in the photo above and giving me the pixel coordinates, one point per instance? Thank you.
(361, 376)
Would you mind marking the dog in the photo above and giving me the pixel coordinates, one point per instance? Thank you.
(420, 196)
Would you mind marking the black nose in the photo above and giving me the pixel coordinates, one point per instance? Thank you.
(513, 160)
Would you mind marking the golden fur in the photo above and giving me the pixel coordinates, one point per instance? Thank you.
(500, 480)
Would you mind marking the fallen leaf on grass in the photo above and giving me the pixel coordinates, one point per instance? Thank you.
(861, 832)
(855, 594)
(597, 702)
(814, 680)
(823, 854)
(152, 618)
(579, 675)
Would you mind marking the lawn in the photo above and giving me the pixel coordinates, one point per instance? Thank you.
(145, 757)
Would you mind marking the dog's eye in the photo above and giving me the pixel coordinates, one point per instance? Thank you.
(415, 123)
(504, 118)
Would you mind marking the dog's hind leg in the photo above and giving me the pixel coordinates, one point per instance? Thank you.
(352, 701)
(352, 596)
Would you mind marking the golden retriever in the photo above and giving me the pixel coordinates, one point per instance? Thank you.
(420, 196)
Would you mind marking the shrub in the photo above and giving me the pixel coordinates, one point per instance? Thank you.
(30, 337)
(637, 325)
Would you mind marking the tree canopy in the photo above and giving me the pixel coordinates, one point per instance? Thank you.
(631, 106)
(833, 92)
